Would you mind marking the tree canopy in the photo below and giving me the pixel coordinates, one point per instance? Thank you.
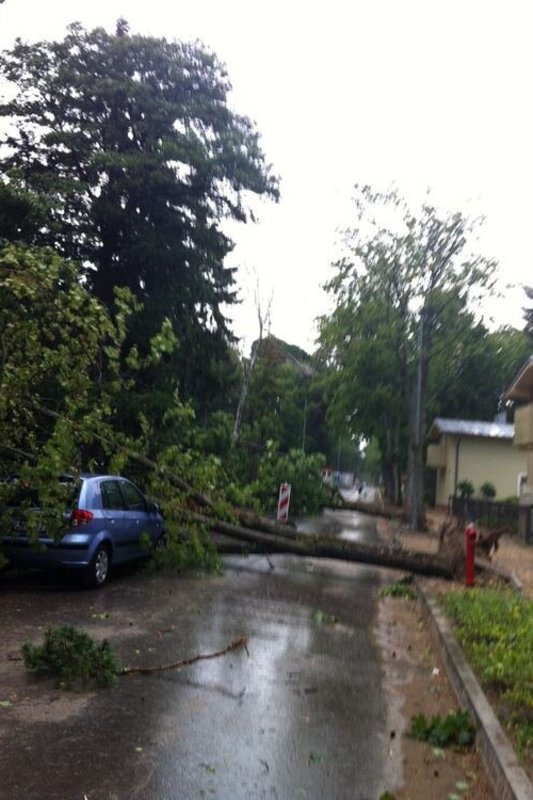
(128, 148)
(61, 354)
(406, 280)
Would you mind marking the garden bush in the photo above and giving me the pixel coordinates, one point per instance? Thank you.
(488, 490)
(466, 489)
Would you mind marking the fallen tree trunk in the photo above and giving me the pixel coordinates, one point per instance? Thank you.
(249, 519)
(321, 547)
(375, 509)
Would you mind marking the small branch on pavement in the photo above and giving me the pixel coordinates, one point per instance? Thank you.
(242, 641)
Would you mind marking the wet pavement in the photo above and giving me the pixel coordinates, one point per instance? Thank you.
(300, 715)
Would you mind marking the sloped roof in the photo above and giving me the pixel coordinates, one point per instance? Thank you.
(522, 386)
(471, 427)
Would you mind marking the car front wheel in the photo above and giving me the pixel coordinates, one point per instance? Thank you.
(98, 570)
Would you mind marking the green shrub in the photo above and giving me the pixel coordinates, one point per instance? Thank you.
(466, 489)
(454, 729)
(488, 490)
(72, 657)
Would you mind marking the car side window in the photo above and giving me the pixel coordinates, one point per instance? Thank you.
(111, 496)
(133, 499)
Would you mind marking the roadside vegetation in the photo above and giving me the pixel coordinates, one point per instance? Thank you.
(454, 729)
(400, 588)
(495, 628)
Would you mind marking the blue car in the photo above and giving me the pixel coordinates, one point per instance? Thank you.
(108, 521)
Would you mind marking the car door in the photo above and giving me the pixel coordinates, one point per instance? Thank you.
(137, 519)
(116, 522)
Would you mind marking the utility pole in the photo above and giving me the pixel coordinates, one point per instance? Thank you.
(415, 477)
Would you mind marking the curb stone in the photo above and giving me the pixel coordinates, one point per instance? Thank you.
(508, 778)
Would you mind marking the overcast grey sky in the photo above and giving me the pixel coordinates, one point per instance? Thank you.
(422, 93)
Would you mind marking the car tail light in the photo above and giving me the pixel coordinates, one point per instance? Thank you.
(80, 517)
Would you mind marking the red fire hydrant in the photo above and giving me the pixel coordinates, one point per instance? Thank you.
(470, 555)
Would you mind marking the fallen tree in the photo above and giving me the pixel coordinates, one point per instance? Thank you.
(315, 546)
(269, 536)
(375, 509)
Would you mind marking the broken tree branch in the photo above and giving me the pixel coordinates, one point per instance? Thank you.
(15, 451)
(180, 483)
(242, 641)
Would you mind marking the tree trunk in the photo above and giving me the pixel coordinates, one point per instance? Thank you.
(249, 368)
(263, 319)
(390, 462)
(323, 547)
(389, 483)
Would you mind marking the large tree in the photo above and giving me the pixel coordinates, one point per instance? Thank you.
(403, 274)
(366, 367)
(129, 143)
(528, 312)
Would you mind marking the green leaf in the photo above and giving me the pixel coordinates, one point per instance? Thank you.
(324, 619)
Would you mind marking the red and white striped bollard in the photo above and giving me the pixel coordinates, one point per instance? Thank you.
(284, 502)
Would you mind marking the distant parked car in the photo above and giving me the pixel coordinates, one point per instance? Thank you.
(107, 521)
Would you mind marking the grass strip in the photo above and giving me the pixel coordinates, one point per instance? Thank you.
(495, 629)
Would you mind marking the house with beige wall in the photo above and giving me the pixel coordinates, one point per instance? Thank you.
(520, 394)
(477, 451)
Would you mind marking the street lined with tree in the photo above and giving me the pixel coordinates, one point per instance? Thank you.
(120, 163)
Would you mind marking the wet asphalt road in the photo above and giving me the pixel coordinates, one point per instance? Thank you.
(301, 715)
